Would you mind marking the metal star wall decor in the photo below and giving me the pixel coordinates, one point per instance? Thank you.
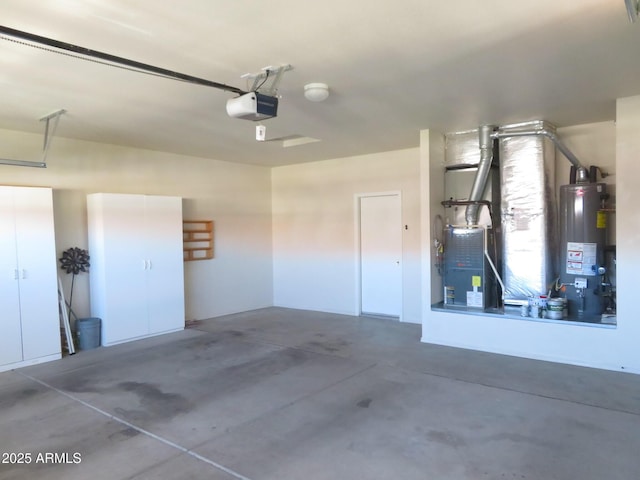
(75, 260)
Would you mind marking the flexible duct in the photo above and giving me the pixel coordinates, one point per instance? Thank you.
(480, 181)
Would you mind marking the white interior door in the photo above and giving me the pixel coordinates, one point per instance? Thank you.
(380, 255)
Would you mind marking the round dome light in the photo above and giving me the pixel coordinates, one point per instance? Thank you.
(316, 92)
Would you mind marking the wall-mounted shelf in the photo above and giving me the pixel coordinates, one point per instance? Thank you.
(197, 236)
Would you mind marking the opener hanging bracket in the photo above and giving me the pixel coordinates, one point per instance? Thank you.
(49, 132)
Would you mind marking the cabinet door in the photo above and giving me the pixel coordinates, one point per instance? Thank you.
(121, 264)
(35, 244)
(165, 277)
(10, 330)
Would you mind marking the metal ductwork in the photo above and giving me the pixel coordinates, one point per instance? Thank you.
(544, 131)
(482, 175)
(516, 245)
(528, 210)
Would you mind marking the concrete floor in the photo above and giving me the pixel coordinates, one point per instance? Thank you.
(288, 394)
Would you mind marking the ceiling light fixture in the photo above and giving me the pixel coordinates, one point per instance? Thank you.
(633, 8)
(316, 92)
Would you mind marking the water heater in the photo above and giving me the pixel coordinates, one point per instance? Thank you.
(583, 227)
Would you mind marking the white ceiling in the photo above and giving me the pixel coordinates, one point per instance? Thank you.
(393, 69)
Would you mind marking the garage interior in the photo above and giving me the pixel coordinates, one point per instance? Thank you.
(405, 246)
(287, 394)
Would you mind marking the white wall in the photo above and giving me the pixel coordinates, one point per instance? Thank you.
(628, 228)
(314, 229)
(236, 197)
(614, 147)
(432, 146)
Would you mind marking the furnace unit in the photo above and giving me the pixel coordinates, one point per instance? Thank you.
(471, 218)
(468, 278)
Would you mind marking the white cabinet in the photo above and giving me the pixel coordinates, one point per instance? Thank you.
(29, 321)
(136, 274)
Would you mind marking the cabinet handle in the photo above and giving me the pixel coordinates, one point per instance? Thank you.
(24, 274)
(16, 275)
(144, 264)
(150, 266)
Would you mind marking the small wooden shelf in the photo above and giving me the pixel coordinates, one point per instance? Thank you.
(197, 238)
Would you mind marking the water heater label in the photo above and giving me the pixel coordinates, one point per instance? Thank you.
(601, 220)
(581, 257)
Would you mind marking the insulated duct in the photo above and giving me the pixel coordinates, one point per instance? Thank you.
(528, 210)
(547, 132)
(480, 181)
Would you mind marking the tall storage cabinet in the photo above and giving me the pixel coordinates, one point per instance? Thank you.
(29, 321)
(136, 274)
